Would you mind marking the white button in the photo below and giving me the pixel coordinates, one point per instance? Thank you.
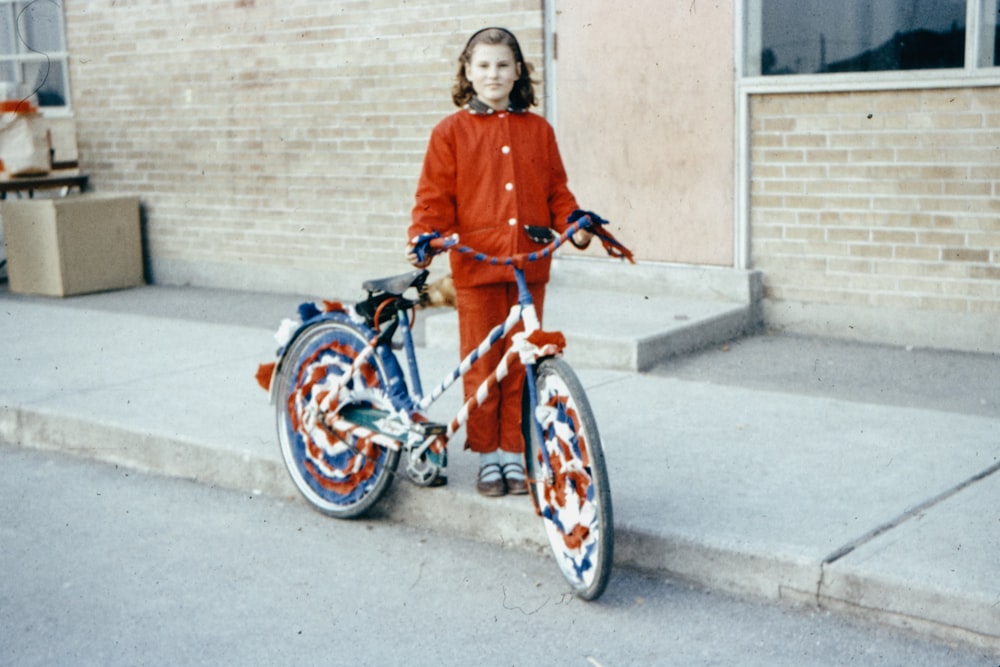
(501, 115)
(509, 187)
(512, 222)
(505, 150)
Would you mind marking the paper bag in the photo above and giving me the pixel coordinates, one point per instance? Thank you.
(24, 144)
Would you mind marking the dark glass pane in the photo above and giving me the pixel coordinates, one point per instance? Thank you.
(48, 81)
(817, 36)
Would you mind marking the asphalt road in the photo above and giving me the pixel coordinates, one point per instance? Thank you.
(108, 566)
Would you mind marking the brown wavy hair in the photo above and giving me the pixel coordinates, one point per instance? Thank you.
(523, 94)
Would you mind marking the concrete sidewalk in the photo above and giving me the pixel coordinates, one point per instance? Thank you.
(842, 500)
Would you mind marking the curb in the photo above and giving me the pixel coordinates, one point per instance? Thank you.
(511, 522)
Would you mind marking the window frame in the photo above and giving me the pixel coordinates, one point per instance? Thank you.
(19, 58)
(978, 40)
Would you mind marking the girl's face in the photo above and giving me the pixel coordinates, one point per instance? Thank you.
(492, 70)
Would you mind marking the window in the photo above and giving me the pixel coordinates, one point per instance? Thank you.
(33, 57)
(787, 37)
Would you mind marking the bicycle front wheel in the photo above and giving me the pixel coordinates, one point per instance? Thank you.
(569, 481)
(337, 478)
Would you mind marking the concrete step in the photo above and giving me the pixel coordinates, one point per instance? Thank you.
(626, 317)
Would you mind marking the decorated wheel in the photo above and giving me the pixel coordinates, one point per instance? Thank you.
(342, 470)
(568, 479)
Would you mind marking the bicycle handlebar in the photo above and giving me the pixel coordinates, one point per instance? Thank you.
(428, 245)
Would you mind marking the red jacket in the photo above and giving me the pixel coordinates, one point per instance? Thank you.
(487, 175)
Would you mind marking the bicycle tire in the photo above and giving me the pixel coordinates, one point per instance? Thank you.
(573, 495)
(336, 479)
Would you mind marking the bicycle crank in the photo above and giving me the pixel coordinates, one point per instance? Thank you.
(424, 465)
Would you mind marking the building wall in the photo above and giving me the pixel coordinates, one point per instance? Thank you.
(876, 215)
(275, 145)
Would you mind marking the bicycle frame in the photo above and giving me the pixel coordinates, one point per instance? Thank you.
(522, 348)
(526, 348)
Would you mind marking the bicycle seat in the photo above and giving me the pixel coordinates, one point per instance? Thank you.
(396, 285)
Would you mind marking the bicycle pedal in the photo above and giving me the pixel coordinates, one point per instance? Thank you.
(429, 428)
(428, 469)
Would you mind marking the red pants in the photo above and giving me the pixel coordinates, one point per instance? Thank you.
(497, 422)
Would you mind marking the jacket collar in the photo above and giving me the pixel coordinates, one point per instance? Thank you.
(477, 107)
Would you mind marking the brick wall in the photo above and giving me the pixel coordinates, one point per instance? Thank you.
(275, 145)
(877, 214)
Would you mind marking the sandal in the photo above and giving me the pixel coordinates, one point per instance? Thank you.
(513, 475)
(490, 482)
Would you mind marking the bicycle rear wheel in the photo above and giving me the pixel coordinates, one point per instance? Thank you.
(569, 481)
(339, 479)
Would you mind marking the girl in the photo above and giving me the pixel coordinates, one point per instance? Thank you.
(491, 169)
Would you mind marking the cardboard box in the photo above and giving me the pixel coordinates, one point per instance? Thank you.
(72, 245)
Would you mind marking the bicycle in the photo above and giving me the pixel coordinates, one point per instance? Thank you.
(346, 411)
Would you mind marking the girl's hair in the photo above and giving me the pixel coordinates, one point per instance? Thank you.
(523, 94)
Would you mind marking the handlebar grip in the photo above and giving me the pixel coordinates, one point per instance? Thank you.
(587, 219)
(423, 247)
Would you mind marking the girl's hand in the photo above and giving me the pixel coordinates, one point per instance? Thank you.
(412, 258)
(419, 252)
(598, 226)
(582, 238)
